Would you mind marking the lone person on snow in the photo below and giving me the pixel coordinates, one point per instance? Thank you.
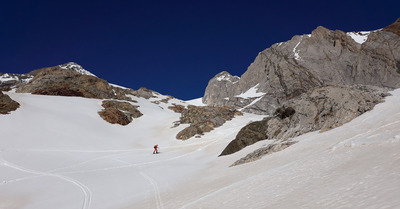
(155, 149)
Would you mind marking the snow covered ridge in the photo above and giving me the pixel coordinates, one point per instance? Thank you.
(9, 78)
(75, 67)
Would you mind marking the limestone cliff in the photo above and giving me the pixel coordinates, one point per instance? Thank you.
(324, 57)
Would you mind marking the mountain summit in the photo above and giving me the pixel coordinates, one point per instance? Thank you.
(322, 58)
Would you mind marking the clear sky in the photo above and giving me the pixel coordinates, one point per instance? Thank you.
(173, 47)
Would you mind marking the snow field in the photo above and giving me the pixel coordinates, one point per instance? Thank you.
(56, 152)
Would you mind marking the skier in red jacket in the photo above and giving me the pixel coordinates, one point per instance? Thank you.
(155, 149)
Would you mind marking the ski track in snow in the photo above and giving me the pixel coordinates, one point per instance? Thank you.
(85, 190)
(157, 195)
(208, 143)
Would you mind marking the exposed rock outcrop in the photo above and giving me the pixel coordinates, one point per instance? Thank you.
(248, 135)
(177, 108)
(7, 104)
(259, 153)
(322, 109)
(203, 119)
(144, 92)
(116, 112)
(220, 86)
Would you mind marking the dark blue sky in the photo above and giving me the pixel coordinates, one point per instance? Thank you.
(173, 47)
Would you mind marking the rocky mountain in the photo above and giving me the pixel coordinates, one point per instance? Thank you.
(322, 58)
(312, 82)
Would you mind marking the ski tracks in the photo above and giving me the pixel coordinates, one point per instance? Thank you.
(85, 190)
(157, 196)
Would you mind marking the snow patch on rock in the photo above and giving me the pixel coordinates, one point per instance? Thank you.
(360, 36)
(251, 93)
(75, 67)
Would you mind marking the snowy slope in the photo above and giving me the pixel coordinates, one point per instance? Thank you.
(56, 152)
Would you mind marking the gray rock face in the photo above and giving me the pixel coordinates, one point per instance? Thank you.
(325, 57)
(322, 109)
(221, 86)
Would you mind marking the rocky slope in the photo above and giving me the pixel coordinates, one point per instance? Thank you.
(322, 109)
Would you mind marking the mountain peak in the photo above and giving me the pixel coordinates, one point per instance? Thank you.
(76, 67)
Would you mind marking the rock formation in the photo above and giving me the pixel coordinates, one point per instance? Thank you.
(203, 119)
(144, 92)
(7, 104)
(322, 109)
(259, 153)
(322, 58)
(116, 112)
(312, 82)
